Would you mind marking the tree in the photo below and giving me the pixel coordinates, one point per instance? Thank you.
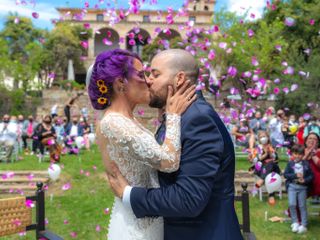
(159, 44)
(17, 35)
(64, 43)
(303, 54)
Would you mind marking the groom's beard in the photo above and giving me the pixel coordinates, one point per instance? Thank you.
(157, 102)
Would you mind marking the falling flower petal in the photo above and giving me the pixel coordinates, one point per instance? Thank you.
(66, 186)
(285, 90)
(250, 33)
(65, 221)
(107, 211)
(289, 21)
(276, 81)
(35, 15)
(232, 71)
(84, 44)
(29, 203)
(289, 71)
(223, 45)
(254, 61)
(294, 87)
(211, 54)
(247, 74)
(86, 25)
(132, 42)
(141, 112)
(107, 42)
(98, 228)
(278, 47)
(73, 234)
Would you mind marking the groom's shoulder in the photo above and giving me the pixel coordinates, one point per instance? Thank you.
(200, 109)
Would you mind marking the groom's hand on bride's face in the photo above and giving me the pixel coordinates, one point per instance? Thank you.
(117, 181)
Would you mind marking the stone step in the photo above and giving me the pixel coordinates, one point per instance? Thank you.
(25, 172)
(15, 187)
(23, 180)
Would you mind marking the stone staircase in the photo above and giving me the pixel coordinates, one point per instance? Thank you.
(21, 182)
(243, 176)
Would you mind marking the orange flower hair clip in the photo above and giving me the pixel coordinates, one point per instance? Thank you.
(102, 100)
(100, 83)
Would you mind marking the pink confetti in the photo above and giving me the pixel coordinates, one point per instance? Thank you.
(246, 74)
(289, 21)
(294, 87)
(35, 15)
(107, 211)
(223, 45)
(86, 25)
(277, 81)
(84, 44)
(289, 71)
(132, 42)
(66, 186)
(29, 203)
(232, 71)
(107, 42)
(17, 222)
(278, 47)
(250, 33)
(254, 61)
(73, 234)
(140, 112)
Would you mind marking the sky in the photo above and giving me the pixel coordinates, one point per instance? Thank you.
(47, 8)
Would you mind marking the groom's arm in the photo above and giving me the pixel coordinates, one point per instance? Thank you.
(201, 159)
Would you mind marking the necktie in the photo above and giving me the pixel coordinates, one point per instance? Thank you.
(161, 132)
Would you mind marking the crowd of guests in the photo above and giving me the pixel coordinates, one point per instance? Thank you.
(262, 135)
(52, 133)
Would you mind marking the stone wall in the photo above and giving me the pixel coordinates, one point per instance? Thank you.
(144, 113)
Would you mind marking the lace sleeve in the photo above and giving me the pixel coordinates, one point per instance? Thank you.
(140, 144)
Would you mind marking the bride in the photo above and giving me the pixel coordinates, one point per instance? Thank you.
(117, 85)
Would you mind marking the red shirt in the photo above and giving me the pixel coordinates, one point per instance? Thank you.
(315, 188)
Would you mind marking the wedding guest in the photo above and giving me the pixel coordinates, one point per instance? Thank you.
(298, 176)
(275, 125)
(28, 131)
(265, 162)
(301, 126)
(312, 155)
(8, 135)
(47, 137)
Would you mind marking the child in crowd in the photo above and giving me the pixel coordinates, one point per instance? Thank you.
(265, 162)
(298, 176)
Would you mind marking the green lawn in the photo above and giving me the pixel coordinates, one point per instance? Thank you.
(83, 206)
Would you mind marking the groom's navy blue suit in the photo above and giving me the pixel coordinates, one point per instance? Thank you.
(197, 201)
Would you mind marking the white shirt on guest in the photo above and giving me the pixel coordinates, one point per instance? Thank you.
(74, 131)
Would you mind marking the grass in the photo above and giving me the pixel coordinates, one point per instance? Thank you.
(83, 206)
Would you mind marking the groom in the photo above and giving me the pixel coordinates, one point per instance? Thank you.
(197, 201)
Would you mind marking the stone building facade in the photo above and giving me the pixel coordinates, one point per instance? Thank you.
(146, 21)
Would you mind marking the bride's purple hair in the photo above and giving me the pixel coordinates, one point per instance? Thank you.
(109, 66)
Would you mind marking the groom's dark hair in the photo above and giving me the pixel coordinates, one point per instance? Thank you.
(182, 60)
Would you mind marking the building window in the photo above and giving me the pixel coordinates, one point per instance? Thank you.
(100, 17)
(192, 18)
(206, 8)
(146, 18)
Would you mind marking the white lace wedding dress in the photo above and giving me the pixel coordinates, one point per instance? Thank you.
(139, 156)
